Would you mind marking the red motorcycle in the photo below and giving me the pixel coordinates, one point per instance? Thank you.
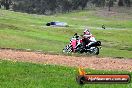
(77, 46)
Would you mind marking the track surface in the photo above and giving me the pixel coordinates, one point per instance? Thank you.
(87, 62)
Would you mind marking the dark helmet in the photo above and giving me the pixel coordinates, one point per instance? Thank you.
(75, 34)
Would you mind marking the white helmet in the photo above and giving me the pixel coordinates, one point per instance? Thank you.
(87, 32)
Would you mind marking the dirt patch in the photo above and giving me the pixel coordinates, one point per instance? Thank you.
(87, 62)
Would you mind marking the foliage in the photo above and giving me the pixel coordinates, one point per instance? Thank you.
(55, 6)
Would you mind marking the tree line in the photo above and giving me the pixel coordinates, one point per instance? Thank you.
(55, 6)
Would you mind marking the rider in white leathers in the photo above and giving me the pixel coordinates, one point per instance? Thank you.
(88, 38)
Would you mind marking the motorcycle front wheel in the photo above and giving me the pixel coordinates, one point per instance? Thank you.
(67, 49)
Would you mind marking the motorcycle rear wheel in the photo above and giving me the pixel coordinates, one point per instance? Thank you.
(94, 50)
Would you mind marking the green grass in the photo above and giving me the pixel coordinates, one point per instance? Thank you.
(27, 75)
(28, 31)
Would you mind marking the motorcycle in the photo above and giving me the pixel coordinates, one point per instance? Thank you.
(77, 46)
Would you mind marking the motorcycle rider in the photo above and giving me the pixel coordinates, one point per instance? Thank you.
(74, 41)
(76, 36)
(88, 38)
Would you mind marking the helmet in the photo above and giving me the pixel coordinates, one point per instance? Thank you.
(75, 34)
(87, 32)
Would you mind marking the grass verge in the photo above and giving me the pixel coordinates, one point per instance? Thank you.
(28, 31)
(27, 75)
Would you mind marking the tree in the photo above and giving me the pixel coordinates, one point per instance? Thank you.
(0, 4)
(128, 3)
(75, 4)
(6, 4)
(120, 3)
(83, 3)
(52, 5)
(66, 5)
(110, 4)
(99, 3)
